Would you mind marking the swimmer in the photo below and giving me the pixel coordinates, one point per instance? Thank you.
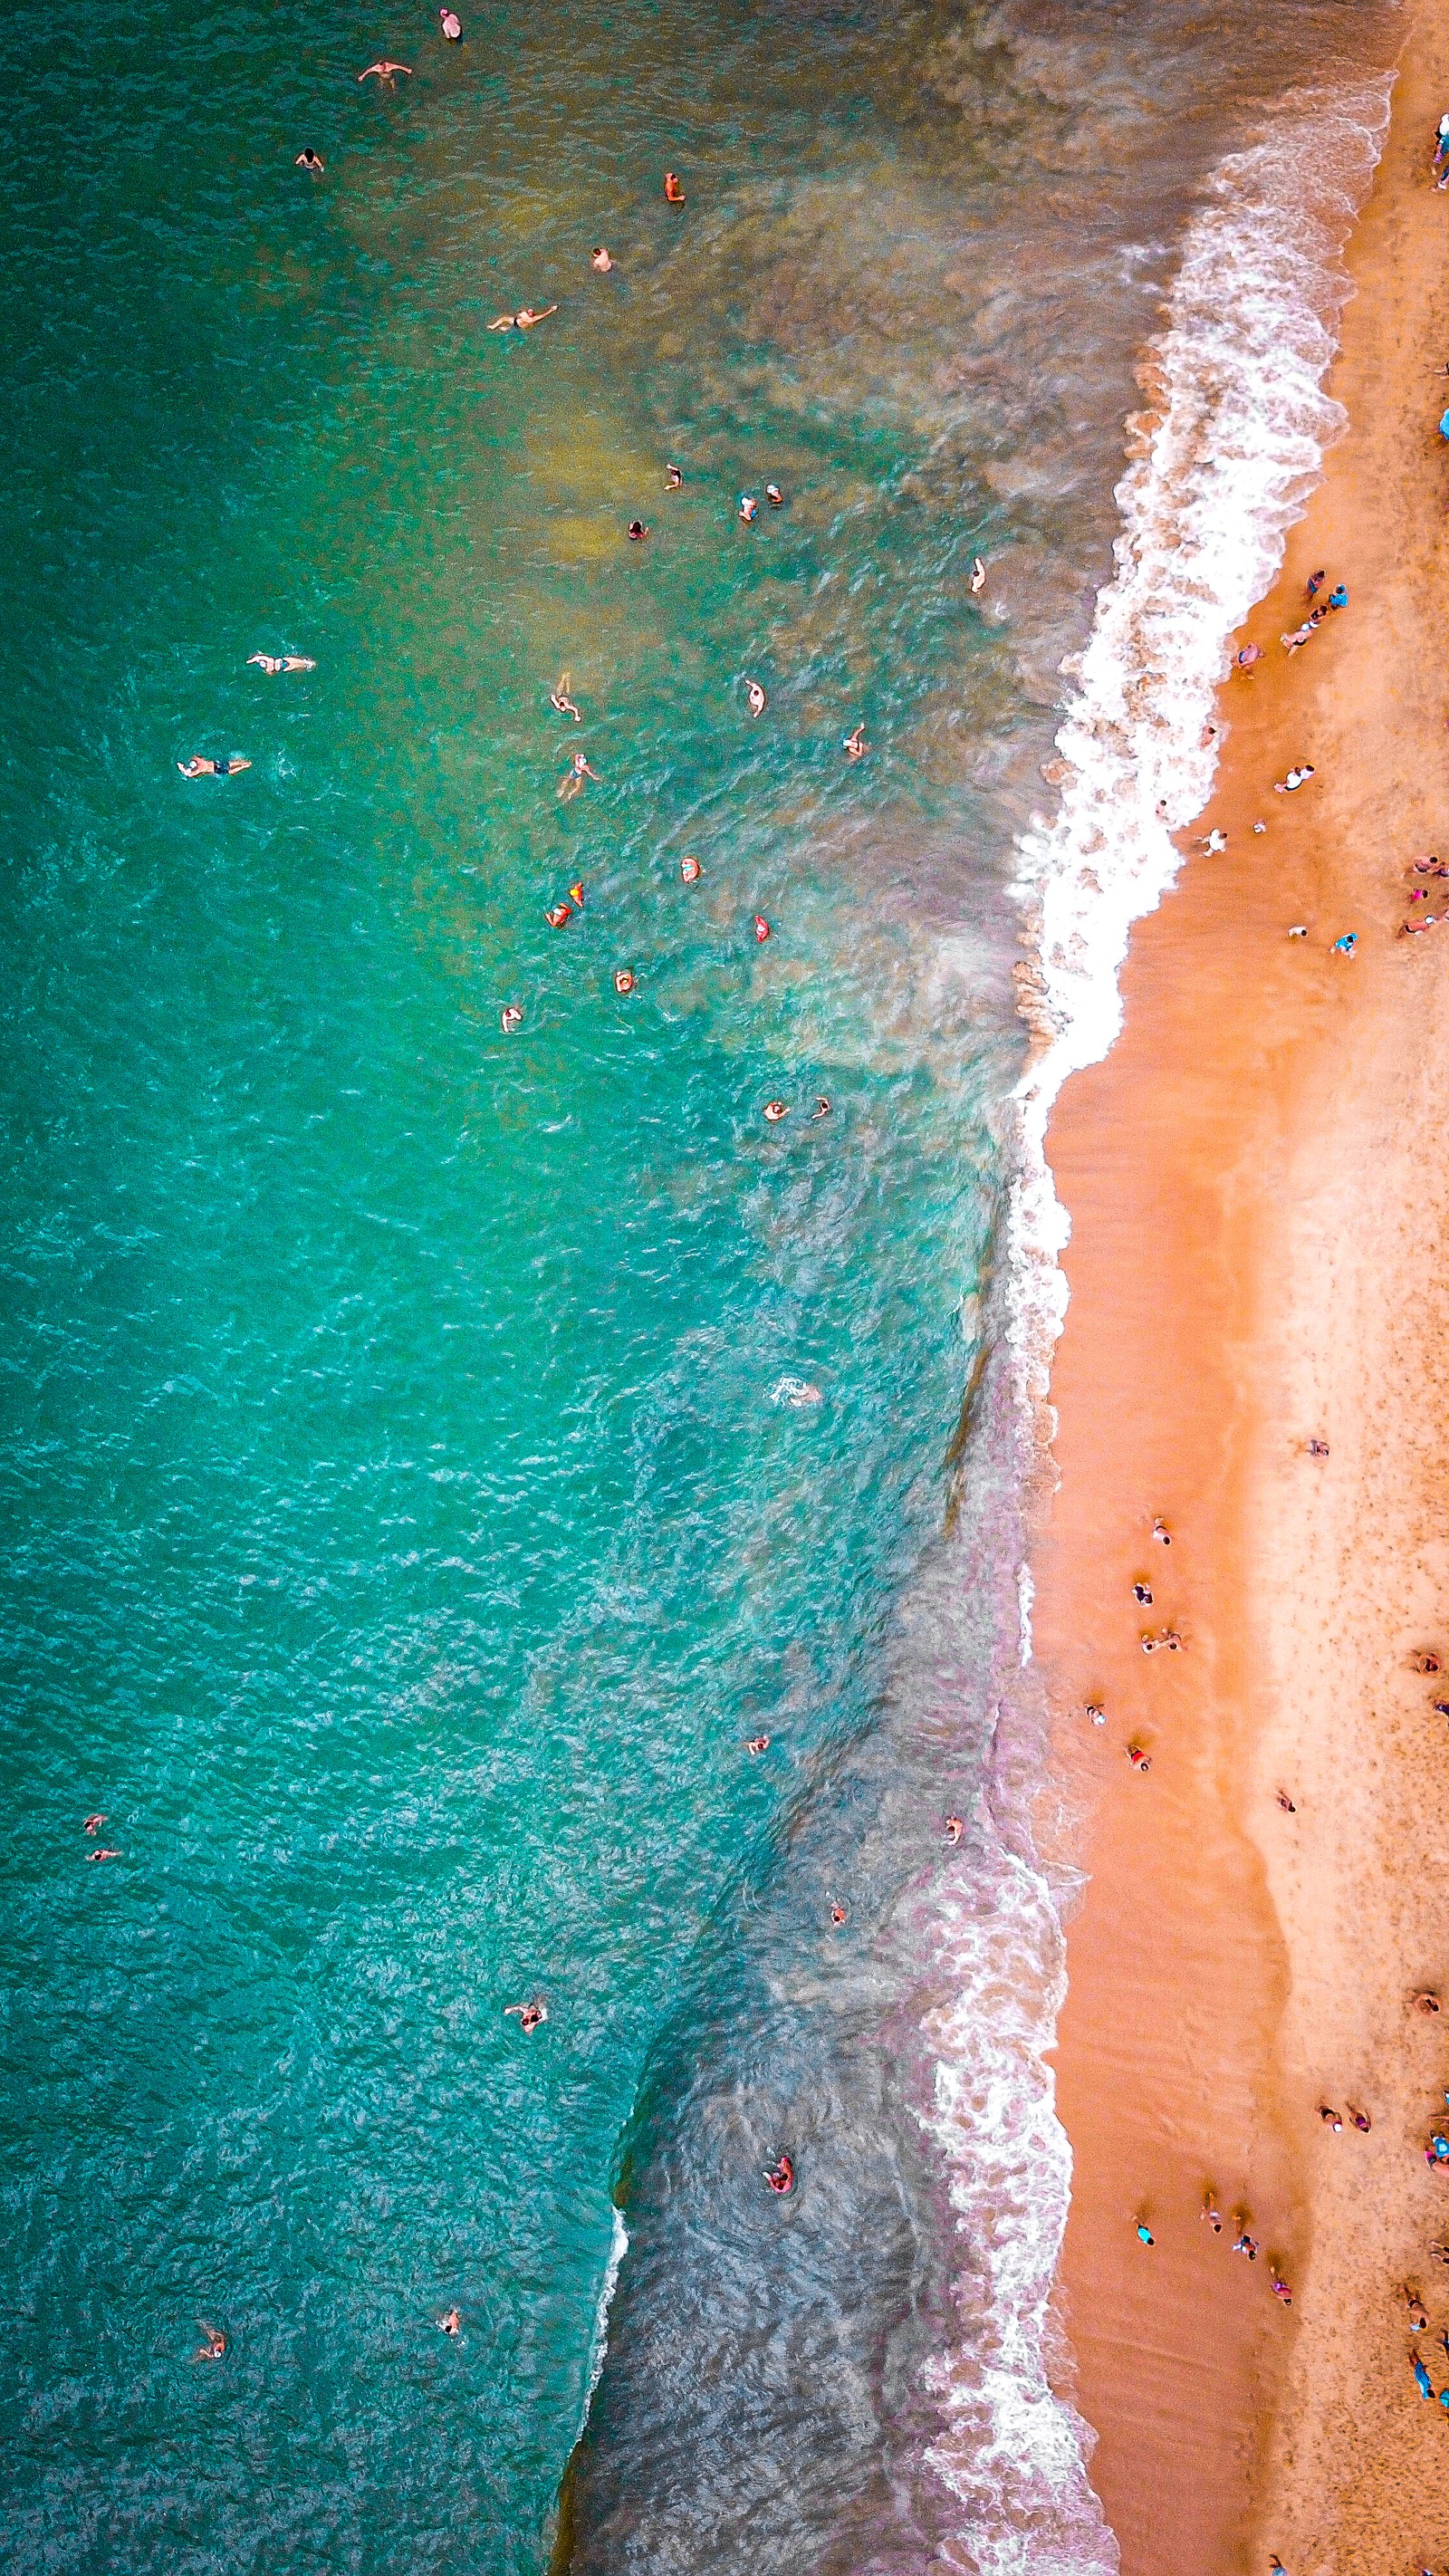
(1162, 1533)
(757, 1744)
(272, 663)
(821, 1108)
(560, 699)
(954, 1828)
(978, 576)
(1142, 1592)
(749, 509)
(103, 1855)
(572, 782)
(638, 531)
(673, 478)
(1330, 2118)
(386, 72)
(623, 980)
(854, 744)
(576, 894)
(214, 2346)
(310, 161)
(599, 259)
(775, 1110)
(837, 1914)
(511, 1018)
(781, 2176)
(557, 914)
(450, 2322)
(673, 188)
(530, 2017)
(452, 26)
(762, 928)
(93, 1824)
(1144, 2233)
(755, 698)
(198, 767)
(523, 320)
(774, 496)
(690, 871)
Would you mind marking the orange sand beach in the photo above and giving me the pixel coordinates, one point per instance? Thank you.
(1256, 1181)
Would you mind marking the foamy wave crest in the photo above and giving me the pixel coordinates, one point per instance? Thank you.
(1232, 446)
(1228, 453)
(618, 2248)
(1015, 2454)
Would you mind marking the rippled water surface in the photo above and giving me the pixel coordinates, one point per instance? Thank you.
(408, 1523)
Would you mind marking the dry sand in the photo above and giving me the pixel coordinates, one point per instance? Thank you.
(1258, 1182)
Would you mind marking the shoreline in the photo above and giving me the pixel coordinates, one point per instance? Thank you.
(1253, 1209)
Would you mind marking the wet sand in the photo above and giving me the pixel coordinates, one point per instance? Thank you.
(1256, 1179)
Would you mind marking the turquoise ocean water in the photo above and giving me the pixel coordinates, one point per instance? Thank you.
(407, 1523)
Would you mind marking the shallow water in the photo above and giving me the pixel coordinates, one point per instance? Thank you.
(408, 1524)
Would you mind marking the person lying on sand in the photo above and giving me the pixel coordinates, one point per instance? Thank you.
(1295, 779)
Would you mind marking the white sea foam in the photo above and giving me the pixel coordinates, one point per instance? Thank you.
(1231, 447)
(618, 2248)
(1234, 444)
